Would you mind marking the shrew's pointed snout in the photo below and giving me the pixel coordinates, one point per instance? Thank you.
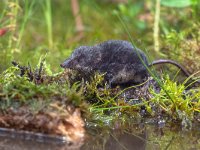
(66, 64)
(62, 65)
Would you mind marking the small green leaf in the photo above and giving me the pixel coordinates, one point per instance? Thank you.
(176, 3)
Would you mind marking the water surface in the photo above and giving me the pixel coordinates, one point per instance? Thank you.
(138, 137)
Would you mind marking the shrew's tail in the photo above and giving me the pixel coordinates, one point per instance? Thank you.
(168, 61)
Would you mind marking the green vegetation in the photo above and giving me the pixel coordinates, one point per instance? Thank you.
(30, 29)
(181, 103)
(18, 90)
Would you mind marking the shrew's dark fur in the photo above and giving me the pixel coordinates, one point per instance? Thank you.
(118, 59)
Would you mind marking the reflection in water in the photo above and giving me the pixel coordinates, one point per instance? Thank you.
(19, 144)
(123, 138)
(126, 141)
(149, 137)
(132, 137)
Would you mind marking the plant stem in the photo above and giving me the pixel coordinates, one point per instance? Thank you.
(27, 12)
(156, 26)
(76, 13)
(48, 18)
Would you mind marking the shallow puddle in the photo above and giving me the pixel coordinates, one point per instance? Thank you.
(138, 137)
(147, 137)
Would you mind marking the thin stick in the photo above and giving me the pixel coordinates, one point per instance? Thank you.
(77, 16)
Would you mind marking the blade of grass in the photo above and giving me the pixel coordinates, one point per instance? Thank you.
(190, 78)
(48, 19)
(156, 26)
(27, 14)
(133, 44)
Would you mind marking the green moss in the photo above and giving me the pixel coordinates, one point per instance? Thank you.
(27, 40)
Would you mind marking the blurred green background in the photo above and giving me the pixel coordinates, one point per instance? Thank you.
(30, 28)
